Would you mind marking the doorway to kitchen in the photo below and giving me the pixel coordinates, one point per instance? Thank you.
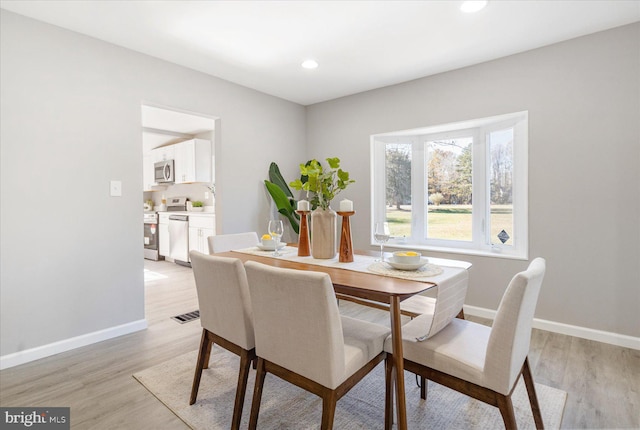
(179, 157)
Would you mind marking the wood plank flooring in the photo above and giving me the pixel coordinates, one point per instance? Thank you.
(603, 381)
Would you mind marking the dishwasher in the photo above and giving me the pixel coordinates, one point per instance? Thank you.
(179, 239)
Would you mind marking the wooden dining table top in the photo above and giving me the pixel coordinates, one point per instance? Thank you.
(369, 286)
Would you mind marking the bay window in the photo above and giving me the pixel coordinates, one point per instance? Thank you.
(459, 187)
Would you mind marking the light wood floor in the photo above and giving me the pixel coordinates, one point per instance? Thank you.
(603, 381)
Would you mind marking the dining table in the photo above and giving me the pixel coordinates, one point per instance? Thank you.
(366, 287)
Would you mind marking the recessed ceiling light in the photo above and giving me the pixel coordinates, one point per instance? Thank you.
(471, 6)
(310, 64)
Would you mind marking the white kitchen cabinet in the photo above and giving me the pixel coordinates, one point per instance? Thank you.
(163, 247)
(148, 175)
(200, 228)
(164, 153)
(192, 161)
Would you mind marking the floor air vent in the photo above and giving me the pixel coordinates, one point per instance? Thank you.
(189, 316)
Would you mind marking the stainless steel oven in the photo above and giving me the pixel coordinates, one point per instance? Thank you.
(151, 236)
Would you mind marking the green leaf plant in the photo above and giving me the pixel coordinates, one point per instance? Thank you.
(282, 196)
(323, 184)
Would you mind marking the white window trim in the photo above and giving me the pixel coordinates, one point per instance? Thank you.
(481, 242)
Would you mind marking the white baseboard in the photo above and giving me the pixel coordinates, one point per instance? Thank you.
(22, 357)
(571, 330)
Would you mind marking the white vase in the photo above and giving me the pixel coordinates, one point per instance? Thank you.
(323, 233)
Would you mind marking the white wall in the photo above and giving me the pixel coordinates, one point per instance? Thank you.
(71, 255)
(583, 98)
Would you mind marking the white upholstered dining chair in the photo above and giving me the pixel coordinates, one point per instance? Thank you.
(301, 337)
(479, 361)
(226, 318)
(227, 242)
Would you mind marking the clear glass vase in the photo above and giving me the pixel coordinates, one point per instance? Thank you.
(323, 233)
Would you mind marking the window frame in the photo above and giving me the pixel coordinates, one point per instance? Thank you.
(479, 129)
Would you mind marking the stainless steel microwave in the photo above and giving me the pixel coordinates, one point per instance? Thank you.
(163, 171)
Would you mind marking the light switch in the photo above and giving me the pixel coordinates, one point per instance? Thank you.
(116, 188)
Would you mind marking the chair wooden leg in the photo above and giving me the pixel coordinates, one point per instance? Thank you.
(208, 355)
(423, 387)
(257, 395)
(388, 392)
(245, 364)
(329, 400)
(506, 409)
(204, 345)
(533, 398)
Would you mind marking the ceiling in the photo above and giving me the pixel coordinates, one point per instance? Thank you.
(360, 45)
(163, 126)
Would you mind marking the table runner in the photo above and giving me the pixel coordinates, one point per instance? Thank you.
(434, 273)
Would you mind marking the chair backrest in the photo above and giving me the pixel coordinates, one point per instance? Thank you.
(511, 331)
(297, 323)
(450, 297)
(223, 297)
(227, 242)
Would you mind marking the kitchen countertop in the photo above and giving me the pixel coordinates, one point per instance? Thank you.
(200, 213)
(188, 213)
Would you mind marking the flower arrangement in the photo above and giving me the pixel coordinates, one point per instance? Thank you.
(323, 183)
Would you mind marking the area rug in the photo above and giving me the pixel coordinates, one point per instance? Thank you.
(285, 406)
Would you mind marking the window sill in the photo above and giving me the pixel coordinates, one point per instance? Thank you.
(448, 250)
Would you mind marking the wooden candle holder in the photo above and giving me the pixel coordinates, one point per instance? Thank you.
(304, 250)
(346, 245)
